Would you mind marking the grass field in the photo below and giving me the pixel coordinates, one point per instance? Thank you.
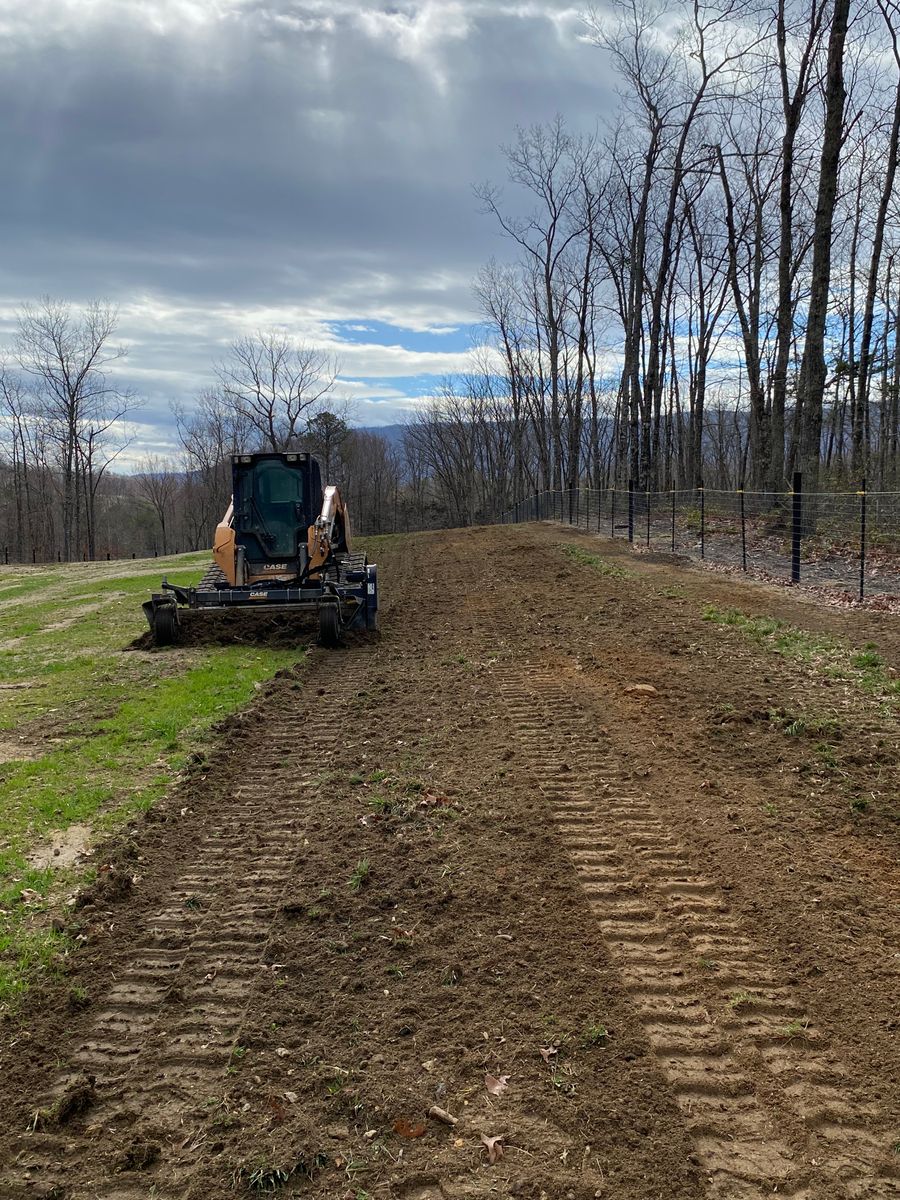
(92, 731)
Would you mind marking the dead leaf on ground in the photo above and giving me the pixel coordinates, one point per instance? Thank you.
(496, 1086)
(548, 1052)
(409, 1129)
(277, 1110)
(642, 689)
(494, 1147)
(431, 800)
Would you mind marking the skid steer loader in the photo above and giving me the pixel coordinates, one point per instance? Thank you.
(284, 543)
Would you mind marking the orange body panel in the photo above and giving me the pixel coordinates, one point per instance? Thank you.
(224, 549)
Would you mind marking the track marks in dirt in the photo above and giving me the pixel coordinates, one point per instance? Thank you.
(766, 1101)
(170, 1023)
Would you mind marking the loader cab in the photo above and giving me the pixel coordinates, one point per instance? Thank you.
(276, 498)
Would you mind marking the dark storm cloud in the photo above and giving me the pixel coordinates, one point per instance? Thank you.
(210, 163)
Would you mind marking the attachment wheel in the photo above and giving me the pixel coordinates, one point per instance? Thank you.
(165, 625)
(329, 623)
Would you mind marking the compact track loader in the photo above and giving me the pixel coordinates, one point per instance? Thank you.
(284, 543)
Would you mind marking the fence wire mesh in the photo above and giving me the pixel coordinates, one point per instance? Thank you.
(847, 541)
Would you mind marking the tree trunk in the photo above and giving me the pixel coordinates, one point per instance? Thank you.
(812, 371)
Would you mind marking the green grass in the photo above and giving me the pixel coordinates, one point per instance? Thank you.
(11, 590)
(595, 1035)
(863, 669)
(359, 875)
(584, 558)
(103, 730)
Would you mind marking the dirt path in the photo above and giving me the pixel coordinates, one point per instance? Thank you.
(646, 939)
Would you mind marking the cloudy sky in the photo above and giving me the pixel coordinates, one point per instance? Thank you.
(219, 166)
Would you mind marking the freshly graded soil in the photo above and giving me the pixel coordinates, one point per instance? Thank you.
(238, 626)
(612, 887)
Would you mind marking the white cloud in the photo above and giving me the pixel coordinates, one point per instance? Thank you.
(218, 166)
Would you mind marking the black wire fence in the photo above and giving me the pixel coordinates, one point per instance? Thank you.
(843, 540)
(8, 556)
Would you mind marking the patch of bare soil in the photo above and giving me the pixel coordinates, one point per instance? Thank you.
(462, 912)
(15, 751)
(63, 848)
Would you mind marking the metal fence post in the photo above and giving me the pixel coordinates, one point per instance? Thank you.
(743, 530)
(862, 540)
(631, 510)
(648, 518)
(673, 520)
(702, 492)
(796, 526)
(578, 507)
(612, 512)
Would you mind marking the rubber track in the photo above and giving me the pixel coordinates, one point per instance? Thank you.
(165, 1031)
(753, 1077)
(212, 580)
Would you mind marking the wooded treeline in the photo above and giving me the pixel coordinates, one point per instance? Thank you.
(709, 287)
(64, 424)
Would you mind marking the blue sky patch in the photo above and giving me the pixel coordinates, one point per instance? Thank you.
(448, 340)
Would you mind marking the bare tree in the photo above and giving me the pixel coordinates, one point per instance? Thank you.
(14, 426)
(158, 483)
(811, 389)
(67, 354)
(275, 383)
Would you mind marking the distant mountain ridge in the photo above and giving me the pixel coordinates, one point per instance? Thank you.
(391, 433)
